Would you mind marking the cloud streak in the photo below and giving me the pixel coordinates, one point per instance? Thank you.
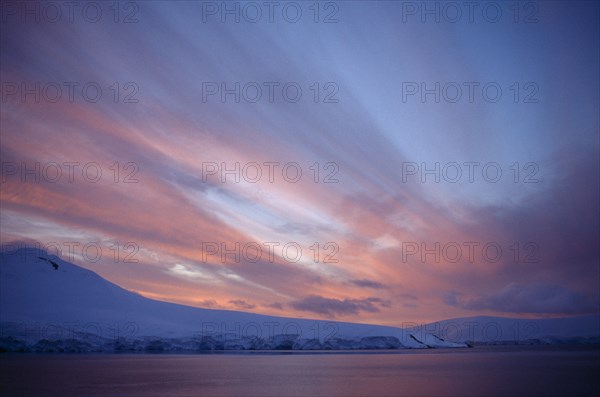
(334, 307)
(333, 243)
(535, 298)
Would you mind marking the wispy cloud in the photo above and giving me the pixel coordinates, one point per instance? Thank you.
(334, 307)
(353, 225)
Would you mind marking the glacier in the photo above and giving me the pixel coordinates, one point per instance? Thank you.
(50, 305)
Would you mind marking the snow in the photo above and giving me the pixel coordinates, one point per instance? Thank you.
(503, 330)
(50, 305)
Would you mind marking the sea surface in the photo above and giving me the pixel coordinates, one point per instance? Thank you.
(480, 371)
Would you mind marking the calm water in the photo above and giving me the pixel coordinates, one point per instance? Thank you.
(514, 371)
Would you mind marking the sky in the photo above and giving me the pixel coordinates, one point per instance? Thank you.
(377, 162)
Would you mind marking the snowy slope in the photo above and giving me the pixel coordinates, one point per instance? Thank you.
(502, 330)
(45, 298)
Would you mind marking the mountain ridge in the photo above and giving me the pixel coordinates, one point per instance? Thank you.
(41, 301)
(48, 304)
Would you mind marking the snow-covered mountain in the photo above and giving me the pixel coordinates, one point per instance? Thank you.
(47, 304)
(502, 330)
